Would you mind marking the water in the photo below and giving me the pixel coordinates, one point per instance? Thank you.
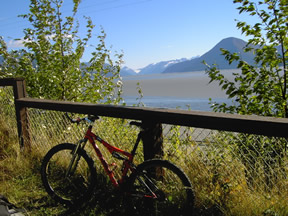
(201, 104)
(190, 90)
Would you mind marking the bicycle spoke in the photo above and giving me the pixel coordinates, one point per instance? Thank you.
(67, 177)
(160, 188)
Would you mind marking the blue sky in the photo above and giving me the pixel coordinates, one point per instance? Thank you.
(147, 31)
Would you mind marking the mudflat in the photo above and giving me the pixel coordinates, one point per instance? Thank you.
(192, 84)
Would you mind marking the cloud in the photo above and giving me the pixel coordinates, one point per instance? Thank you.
(19, 43)
(51, 37)
(15, 43)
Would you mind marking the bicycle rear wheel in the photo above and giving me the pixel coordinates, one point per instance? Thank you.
(158, 187)
(68, 177)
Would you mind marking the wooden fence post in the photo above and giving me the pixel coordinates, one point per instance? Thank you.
(19, 89)
(152, 140)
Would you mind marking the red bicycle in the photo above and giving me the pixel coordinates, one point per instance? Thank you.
(155, 187)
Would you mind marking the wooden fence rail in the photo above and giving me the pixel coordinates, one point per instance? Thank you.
(152, 117)
(268, 126)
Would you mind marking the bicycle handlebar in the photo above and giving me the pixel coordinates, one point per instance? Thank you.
(89, 119)
(92, 118)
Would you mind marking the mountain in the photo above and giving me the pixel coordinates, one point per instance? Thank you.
(159, 67)
(214, 56)
(125, 71)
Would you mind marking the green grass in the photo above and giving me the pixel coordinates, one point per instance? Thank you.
(21, 182)
(219, 187)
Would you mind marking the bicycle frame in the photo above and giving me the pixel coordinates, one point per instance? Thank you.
(127, 164)
(144, 181)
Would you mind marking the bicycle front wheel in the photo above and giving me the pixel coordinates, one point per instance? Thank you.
(68, 176)
(158, 187)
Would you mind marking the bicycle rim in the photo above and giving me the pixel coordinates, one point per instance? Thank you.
(160, 188)
(69, 178)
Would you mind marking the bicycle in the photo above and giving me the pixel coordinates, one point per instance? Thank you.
(155, 187)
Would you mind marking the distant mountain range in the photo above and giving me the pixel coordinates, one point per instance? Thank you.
(160, 67)
(213, 56)
(153, 68)
(126, 71)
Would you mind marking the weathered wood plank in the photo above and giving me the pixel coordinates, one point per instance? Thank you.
(268, 126)
(9, 81)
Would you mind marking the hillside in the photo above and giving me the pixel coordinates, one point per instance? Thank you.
(154, 68)
(126, 71)
(160, 66)
(214, 56)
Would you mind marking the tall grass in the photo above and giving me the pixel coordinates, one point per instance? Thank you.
(20, 181)
(215, 168)
(221, 174)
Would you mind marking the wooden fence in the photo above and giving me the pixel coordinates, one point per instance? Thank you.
(153, 118)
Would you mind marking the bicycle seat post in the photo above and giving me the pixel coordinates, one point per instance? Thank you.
(139, 137)
(152, 137)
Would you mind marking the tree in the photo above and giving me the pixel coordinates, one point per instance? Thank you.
(259, 89)
(51, 60)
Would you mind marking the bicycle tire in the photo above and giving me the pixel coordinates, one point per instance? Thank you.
(174, 198)
(70, 190)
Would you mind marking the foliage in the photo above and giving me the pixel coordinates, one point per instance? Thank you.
(259, 89)
(140, 97)
(50, 61)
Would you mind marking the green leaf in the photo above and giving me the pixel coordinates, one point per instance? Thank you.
(261, 87)
(51, 61)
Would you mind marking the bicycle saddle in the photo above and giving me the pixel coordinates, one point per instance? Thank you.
(138, 124)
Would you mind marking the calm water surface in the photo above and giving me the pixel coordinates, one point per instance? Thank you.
(201, 104)
(190, 90)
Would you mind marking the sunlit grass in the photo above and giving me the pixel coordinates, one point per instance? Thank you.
(219, 183)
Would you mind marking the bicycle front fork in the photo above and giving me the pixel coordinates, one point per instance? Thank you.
(75, 158)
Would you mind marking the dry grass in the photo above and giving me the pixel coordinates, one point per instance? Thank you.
(216, 171)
